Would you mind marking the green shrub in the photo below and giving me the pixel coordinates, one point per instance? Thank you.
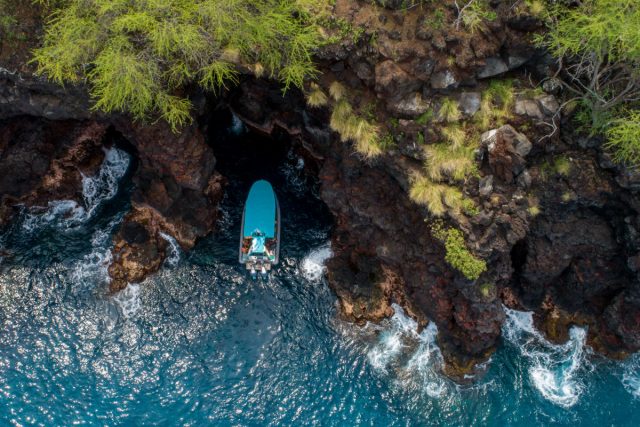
(136, 55)
(457, 254)
(425, 117)
(562, 166)
(624, 139)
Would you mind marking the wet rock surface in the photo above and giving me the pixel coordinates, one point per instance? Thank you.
(42, 160)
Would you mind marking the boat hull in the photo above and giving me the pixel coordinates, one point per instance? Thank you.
(260, 231)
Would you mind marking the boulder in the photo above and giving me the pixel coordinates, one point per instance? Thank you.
(393, 82)
(410, 106)
(548, 104)
(506, 150)
(529, 108)
(444, 80)
(493, 66)
(469, 103)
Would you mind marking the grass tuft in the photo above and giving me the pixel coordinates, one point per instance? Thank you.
(316, 97)
(449, 111)
(337, 90)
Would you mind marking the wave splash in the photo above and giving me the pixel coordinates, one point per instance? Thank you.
(412, 360)
(96, 189)
(554, 370)
(312, 266)
(174, 250)
(631, 376)
(129, 301)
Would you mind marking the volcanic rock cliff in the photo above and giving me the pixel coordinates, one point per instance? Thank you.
(556, 221)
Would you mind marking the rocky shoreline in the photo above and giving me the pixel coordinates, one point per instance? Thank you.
(560, 238)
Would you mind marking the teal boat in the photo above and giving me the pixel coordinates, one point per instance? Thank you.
(260, 233)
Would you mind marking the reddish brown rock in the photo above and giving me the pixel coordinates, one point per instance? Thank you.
(42, 160)
(177, 192)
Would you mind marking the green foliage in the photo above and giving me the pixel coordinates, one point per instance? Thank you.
(8, 22)
(562, 166)
(425, 117)
(624, 138)
(457, 254)
(137, 54)
(487, 289)
(446, 161)
(428, 193)
(607, 28)
(599, 43)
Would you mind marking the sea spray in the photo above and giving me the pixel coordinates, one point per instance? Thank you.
(128, 300)
(631, 375)
(554, 370)
(174, 250)
(95, 190)
(104, 185)
(313, 265)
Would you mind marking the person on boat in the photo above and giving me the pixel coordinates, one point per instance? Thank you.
(257, 242)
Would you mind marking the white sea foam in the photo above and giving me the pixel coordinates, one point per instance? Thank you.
(128, 300)
(95, 190)
(104, 185)
(174, 250)
(313, 265)
(413, 359)
(631, 376)
(554, 370)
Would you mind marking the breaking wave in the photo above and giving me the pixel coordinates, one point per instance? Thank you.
(631, 376)
(128, 300)
(313, 265)
(174, 250)
(554, 370)
(95, 190)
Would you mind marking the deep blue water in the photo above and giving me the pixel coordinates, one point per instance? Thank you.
(199, 343)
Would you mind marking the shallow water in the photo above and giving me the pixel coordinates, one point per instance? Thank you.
(199, 343)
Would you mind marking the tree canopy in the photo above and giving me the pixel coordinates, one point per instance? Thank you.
(598, 43)
(137, 55)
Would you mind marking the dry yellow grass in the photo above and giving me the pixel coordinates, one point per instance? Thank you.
(316, 97)
(428, 193)
(364, 134)
(337, 90)
(449, 111)
(455, 135)
(442, 160)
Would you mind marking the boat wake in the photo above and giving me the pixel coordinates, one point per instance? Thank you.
(554, 370)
